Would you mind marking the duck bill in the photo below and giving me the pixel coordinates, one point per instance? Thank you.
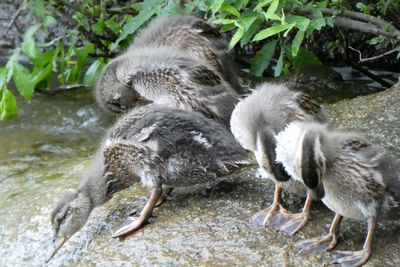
(57, 244)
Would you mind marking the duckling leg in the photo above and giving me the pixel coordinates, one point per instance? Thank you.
(266, 216)
(325, 243)
(292, 223)
(133, 224)
(357, 258)
(166, 193)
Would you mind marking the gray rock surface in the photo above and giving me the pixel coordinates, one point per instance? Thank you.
(43, 154)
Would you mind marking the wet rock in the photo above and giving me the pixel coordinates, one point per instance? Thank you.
(377, 116)
(195, 227)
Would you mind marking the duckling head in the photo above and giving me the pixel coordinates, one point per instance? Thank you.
(113, 95)
(68, 216)
(312, 162)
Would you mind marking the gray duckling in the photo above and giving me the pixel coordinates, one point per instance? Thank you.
(255, 122)
(196, 36)
(173, 78)
(188, 37)
(158, 147)
(353, 177)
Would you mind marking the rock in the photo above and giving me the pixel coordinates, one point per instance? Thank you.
(192, 228)
(377, 116)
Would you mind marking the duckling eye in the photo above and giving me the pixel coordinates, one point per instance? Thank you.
(59, 219)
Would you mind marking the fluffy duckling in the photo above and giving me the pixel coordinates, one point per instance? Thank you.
(172, 78)
(353, 177)
(255, 122)
(194, 35)
(158, 147)
(175, 36)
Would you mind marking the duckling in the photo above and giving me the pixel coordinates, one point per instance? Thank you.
(172, 78)
(353, 177)
(154, 145)
(196, 36)
(255, 122)
(184, 36)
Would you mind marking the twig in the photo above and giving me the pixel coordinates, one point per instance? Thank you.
(363, 27)
(14, 17)
(109, 55)
(369, 74)
(361, 60)
(355, 21)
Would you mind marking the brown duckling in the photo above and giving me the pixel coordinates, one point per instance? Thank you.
(196, 36)
(255, 122)
(353, 177)
(172, 78)
(183, 36)
(154, 145)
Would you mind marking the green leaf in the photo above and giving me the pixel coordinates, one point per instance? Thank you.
(271, 31)
(271, 16)
(272, 8)
(98, 27)
(29, 46)
(241, 3)
(298, 39)
(230, 9)
(82, 58)
(316, 12)
(329, 22)
(23, 81)
(236, 37)
(131, 26)
(169, 9)
(49, 21)
(302, 24)
(39, 9)
(82, 20)
(113, 25)
(261, 4)
(8, 105)
(249, 33)
(318, 24)
(3, 77)
(227, 27)
(224, 21)
(279, 65)
(12, 60)
(305, 57)
(93, 73)
(43, 74)
(216, 5)
(263, 58)
(246, 22)
(323, 4)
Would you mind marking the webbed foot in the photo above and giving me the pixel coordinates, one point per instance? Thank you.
(291, 223)
(130, 225)
(267, 216)
(324, 243)
(167, 190)
(134, 223)
(351, 258)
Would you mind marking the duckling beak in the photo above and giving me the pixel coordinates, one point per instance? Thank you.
(58, 242)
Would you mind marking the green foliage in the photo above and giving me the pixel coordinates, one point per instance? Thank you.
(98, 29)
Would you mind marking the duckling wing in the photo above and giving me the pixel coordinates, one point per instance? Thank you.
(212, 95)
(189, 162)
(312, 108)
(362, 151)
(376, 157)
